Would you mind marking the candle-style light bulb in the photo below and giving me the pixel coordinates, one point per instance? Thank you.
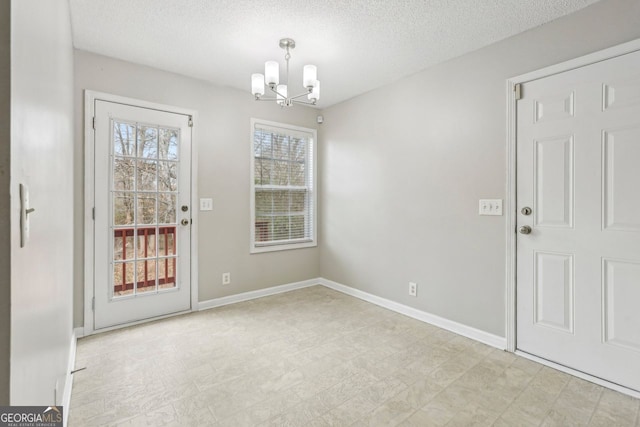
(315, 93)
(309, 76)
(257, 85)
(272, 73)
(281, 96)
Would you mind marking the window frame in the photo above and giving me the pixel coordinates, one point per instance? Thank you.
(312, 190)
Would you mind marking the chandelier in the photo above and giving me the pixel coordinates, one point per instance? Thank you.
(271, 78)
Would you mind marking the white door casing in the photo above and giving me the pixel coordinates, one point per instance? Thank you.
(578, 272)
(164, 268)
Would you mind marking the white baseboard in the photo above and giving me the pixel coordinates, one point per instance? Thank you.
(246, 296)
(441, 322)
(469, 332)
(455, 327)
(68, 384)
(219, 302)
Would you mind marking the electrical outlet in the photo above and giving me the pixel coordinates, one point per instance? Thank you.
(226, 278)
(413, 289)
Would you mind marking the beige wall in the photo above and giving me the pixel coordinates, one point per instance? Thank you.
(401, 172)
(41, 157)
(222, 136)
(405, 166)
(5, 202)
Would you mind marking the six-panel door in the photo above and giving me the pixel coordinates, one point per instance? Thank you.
(578, 272)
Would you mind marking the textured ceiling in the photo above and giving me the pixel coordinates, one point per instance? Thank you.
(357, 45)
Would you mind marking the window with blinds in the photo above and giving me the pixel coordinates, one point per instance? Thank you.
(283, 199)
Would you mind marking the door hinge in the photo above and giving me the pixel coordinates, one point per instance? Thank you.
(93, 213)
(190, 121)
(93, 123)
(93, 303)
(518, 90)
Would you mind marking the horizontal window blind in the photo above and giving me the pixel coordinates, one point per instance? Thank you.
(283, 186)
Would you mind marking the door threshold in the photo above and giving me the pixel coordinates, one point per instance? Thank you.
(137, 322)
(580, 374)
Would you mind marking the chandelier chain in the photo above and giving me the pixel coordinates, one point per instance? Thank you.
(287, 57)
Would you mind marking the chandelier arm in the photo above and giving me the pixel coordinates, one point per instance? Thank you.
(274, 90)
(266, 99)
(293, 101)
(301, 95)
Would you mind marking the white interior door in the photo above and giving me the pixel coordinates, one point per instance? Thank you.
(142, 213)
(578, 271)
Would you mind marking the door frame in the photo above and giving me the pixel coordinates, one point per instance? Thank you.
(90, 97)
(511, 195)
(511, 198)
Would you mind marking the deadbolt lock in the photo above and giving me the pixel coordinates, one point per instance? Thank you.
(526, 210)
(185, 208)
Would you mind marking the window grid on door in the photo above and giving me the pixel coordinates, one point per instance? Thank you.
(144, 198)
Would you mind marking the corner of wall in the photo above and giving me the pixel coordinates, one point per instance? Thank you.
(5, 199)
(41, 143)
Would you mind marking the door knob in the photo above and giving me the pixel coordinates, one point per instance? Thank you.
(184, 222)
(525, 229)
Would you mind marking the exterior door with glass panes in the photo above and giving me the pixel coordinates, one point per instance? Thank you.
(142, 213)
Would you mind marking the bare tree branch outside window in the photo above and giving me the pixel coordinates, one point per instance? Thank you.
(144, 201)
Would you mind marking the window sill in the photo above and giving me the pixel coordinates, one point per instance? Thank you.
(285, 247)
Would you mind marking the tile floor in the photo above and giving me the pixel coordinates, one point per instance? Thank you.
(316, 357)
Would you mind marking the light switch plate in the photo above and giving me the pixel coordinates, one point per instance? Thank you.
(490, 207)
(206, 204)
